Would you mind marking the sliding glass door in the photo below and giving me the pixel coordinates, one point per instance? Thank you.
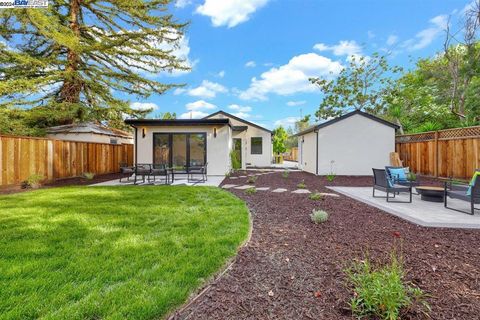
(180, 149)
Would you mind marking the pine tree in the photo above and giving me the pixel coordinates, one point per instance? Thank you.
(85, 59)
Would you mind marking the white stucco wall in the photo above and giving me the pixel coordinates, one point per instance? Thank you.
(306, 152)
(249, 159)
(356, 144)
(89, 137)
(218, 148)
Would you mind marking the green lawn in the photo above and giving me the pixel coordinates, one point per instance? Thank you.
(112, 252)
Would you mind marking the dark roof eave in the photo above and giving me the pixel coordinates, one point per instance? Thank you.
(327, 123)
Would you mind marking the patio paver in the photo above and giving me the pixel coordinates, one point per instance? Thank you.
(246, 186)
(263, 188)
(300, 191)
(280, 190)
(228, 186)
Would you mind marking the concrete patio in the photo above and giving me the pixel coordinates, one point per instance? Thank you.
(424, 213)
(180, 180)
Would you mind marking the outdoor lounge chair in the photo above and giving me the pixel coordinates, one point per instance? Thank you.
(126, 169)
(403, 181)
(381, 182)
(459, 191)
(197, 170)
(159, 170)
(142, 170)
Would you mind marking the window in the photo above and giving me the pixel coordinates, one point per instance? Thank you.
(180, 149)
(256, 145)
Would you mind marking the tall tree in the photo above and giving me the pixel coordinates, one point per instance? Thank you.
(85, 59)
(280, 137)
(363, 85)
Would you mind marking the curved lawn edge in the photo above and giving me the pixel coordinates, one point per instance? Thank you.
(222, 271)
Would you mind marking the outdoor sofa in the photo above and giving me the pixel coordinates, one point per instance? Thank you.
(381, 182)
(466, 192)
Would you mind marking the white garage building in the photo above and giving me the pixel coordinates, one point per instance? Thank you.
(352, 144)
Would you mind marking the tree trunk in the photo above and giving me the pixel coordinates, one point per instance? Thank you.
(399, 124)
(72, 85)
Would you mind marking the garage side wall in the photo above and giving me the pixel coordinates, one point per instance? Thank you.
(306, 152)
(356, 145)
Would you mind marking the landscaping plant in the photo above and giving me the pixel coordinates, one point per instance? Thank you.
(411, 176)
(316, 196)
(285, 174)
(33, 181)
(252, 179)
(235, 160)
(89, 175)
(382, 292)
(301, 185)
(319, 216)
(251, 191)
(331, 175)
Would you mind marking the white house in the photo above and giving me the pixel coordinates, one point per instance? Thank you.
(352, 144)
(193, 142)
(89, 132)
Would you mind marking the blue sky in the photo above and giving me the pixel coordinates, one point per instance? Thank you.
(252, 58)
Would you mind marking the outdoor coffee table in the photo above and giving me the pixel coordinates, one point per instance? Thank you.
(429, 193)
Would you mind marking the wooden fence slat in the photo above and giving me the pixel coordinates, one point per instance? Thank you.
(20, 157)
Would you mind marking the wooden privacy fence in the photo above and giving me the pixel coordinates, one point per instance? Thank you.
(444, 153)
(21, 157)
(292, 155)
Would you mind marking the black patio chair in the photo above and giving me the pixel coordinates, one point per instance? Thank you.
(142, 170)
(397, 179)
(456, 190)
(159, 170)
(197, 170)
(126, 169)
(381, 183)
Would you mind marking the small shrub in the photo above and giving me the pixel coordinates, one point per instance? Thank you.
(235, 160)
(250, 191)
(411, 176)
(285, 174)
(89, 175)
(252, 179)
(319, 216)
(316, 196)
(331, 176)
(33, 181)
(382, 292)
(301, 185)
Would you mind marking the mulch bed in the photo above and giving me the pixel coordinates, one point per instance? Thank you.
(302, 263)
(77, 181)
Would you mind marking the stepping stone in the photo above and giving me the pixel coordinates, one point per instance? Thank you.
(246, 186)
(263, 188)
(326, 194)
(233, 178)
(299, 191)
(242, 176)
(279, 190)
(228, 186)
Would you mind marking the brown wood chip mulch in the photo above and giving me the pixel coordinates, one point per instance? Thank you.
(293, 269)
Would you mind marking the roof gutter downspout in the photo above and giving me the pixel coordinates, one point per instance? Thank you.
(316, 153)
(135, 145)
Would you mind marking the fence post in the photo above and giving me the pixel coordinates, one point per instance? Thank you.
(436, 155)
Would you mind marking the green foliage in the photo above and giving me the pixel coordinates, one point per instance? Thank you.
(331, 176)
(411, 176)
(252, 179)
(301, 185)
(33, 181)
(319, 216)
(251, 191)
(110, 253)
(285, 174)
(235, 160)
(88, 175)
(280, 137)
(316, 196)
(365, 84)
(382, 291)
(77, 60)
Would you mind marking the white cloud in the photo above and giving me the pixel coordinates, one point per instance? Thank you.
(200, 105)
(250, 64)
(242, 115)
(296, 103)
(343, 48)
(182, 3)
(206, 90)
(142, 106)
(286, 122)
(371, 34)
(240, 108)
(229, 12)
(392, 39)
(193, 115)
(425, 37)
(291, 77)
(221, 74)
